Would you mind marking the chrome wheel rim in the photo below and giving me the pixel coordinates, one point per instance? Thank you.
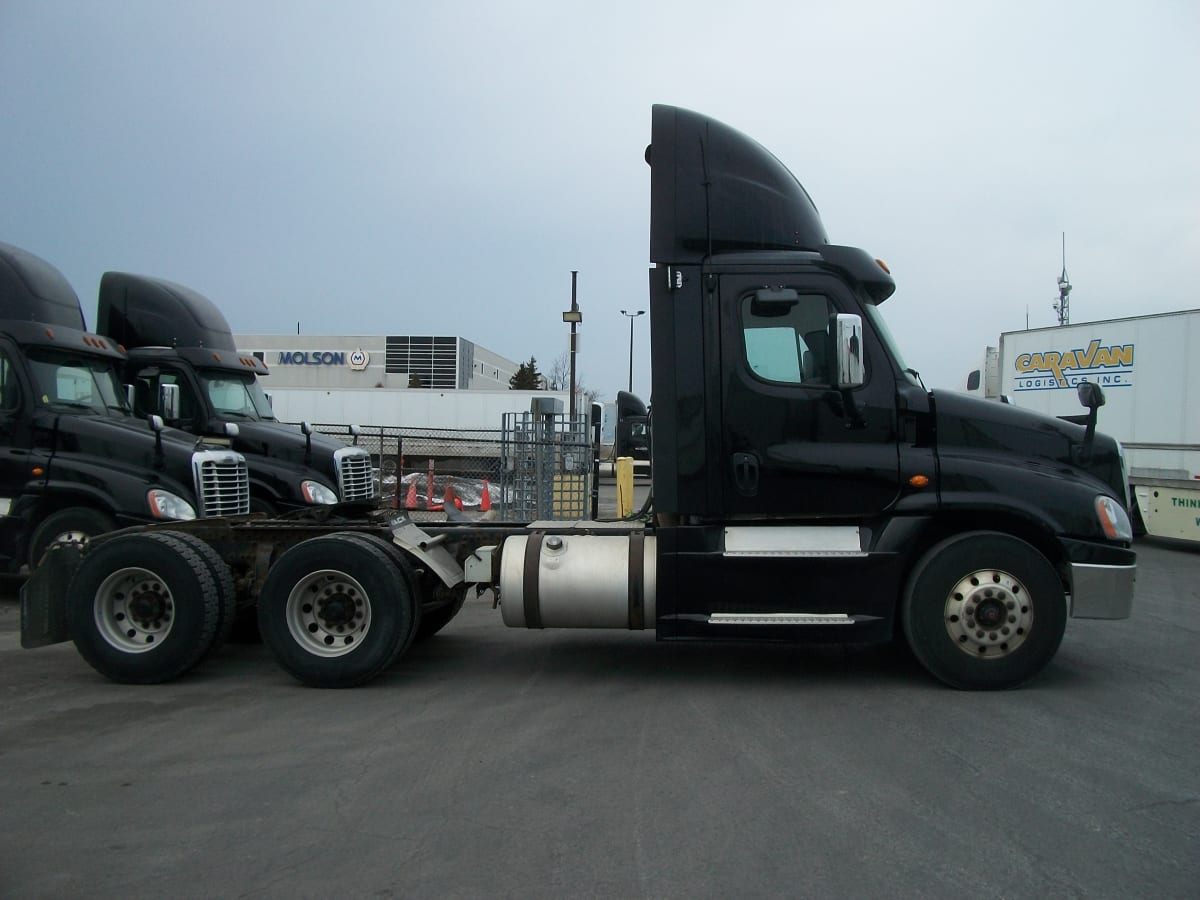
(328, 613)
(989, 614)
(134, 610)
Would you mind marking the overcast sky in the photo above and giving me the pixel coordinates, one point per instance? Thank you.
(440, 168)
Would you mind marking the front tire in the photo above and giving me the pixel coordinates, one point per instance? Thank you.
(75, 524)
(984, 611)
(143, 608)
(334, 611)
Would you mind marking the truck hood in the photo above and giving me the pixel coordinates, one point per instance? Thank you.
(127, 443)
(971, 426)
(286, 443)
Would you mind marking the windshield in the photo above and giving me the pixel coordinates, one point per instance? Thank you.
(77, 382)
(236, 396)
(889, 342)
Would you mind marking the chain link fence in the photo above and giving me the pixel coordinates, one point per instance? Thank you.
(538, 466)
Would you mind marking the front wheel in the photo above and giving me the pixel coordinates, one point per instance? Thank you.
(334, 611)
(75, 524)
(984, 611)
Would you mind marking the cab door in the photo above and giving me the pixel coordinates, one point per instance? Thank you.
(793, 445)
(17, 455)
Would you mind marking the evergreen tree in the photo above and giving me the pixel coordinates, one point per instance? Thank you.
(527, 377)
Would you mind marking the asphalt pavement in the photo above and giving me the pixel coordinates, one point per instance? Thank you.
(492, 762)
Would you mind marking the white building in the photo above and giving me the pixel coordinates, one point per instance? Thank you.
(394, 380)
(377, 361)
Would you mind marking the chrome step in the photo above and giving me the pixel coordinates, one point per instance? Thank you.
(780, 619)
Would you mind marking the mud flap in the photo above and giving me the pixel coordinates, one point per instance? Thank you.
(44, 598)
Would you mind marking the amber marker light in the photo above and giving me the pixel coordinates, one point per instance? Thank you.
(883, 265)
(38, 471)
(919, 480)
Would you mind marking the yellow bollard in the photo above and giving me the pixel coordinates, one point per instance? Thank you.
(624, 486)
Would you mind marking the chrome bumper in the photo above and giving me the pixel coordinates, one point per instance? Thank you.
(1101, 592)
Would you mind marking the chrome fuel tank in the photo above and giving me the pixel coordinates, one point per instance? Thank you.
(578, 580)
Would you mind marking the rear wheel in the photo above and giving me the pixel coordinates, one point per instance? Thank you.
(223, 577)
(75, 524)
(403, 570)
(334, 612)
(984, 611)
(433, 621)
(143, 608)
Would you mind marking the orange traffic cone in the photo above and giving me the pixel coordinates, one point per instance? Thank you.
(485, 502)
(410, 502)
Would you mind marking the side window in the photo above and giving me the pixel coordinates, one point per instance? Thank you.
(786, 340)
(10, 388)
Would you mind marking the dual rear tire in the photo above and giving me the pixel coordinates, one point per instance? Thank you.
(337, 610)
(145, 608)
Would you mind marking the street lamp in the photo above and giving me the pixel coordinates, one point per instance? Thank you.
(631, 316)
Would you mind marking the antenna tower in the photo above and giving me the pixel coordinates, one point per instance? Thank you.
(1063, 306)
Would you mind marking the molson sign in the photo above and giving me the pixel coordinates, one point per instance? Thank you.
(1058, 369)
(311, 358)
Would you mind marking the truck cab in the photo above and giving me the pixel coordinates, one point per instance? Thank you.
(177, 339)
(74, 462)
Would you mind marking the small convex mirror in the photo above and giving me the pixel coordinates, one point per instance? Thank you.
(1090, 394)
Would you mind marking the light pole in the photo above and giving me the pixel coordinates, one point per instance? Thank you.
(631, 316)
(573, 316)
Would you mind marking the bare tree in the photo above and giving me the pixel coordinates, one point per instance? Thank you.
(558, 378)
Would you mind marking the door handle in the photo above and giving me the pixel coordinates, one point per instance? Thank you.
(745, 473)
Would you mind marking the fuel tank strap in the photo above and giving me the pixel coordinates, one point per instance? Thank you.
(529, 585)
(637, 588)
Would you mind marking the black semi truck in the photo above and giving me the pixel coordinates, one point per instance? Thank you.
(806, 487)
(184, 366)
(74, 461)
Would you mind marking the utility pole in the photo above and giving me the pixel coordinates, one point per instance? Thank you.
(574, 316)
(631, 316)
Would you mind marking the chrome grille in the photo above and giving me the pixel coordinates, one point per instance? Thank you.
(222, 483)
(356, 481)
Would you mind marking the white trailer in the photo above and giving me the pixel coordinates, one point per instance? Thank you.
(405, 407)
(1149, 368)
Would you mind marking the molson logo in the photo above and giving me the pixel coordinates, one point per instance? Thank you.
(1110, 366)
(312, 358)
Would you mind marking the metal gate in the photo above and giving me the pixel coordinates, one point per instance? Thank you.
(546, 463)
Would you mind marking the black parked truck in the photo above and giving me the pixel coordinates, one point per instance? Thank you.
(74, 461)
(184, 366)
(806, 487)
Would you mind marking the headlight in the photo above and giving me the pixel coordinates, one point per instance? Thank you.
(165, 505)
(315, 492)
(1113, 519)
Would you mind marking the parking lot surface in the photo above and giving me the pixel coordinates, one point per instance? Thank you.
(499, 763)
